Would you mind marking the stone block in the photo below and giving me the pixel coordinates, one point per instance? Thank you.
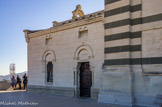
(64, 91)
(94, 93)
(149, 7)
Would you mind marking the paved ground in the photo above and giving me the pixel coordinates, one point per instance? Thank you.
(23, 98)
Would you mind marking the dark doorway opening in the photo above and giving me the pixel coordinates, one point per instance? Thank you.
(49, 72)
(85, 79)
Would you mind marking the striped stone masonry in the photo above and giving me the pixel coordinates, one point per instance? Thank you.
(121, 42)
(132, 67)
(123, 24)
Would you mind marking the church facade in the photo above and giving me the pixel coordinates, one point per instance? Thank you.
(113, 55)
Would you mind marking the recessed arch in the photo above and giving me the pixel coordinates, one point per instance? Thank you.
(81, 48)
(48, 61)
(46, 55)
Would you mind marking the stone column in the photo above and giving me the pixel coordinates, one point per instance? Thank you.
(44, 69)
(92, 70)
(75, 76)
(77, 79)
(43, 66)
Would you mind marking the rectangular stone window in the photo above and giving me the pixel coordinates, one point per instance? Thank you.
(83, 34)
(48, 40)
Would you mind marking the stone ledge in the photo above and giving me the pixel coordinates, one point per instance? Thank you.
(69, 25)
(88, 16)
(65, 91)
(115, 99)
(154, 73)
(4, 85)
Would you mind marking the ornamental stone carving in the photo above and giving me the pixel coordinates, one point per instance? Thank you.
(78, 11)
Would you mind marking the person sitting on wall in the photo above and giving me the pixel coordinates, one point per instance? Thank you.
(13, 83)
(25, 80)
(19, 81)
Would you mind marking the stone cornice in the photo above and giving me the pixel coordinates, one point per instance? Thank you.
(78, 18)
(27, 32)
(26, 35)
(64, 26)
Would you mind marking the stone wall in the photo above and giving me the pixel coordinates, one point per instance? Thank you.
(133, 59)
(64, 91)
(147, 83)
(4, 85)
(66, 49)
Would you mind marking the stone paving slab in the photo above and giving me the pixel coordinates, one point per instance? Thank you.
(30, 99)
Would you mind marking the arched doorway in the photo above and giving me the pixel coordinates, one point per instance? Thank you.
(83, 75)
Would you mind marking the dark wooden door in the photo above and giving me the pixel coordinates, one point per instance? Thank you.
(49, 72)
(85, 80)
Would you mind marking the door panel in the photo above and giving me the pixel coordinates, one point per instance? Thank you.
(85, 80)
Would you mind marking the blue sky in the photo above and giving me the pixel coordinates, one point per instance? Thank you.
(17, 15)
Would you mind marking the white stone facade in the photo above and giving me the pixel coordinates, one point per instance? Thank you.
(65, 48)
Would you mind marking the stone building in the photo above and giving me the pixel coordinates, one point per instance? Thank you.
(113, 56)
